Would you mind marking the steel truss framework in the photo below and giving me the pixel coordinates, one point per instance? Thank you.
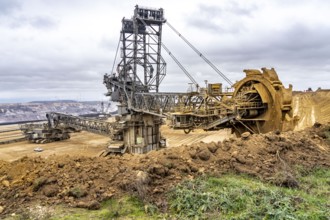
(140, 47)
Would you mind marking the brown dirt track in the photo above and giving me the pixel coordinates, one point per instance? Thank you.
(80, 144)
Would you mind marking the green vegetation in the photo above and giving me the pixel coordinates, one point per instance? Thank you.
(241, 197)
(325, 133)
(226, 197)
(124, 208)
(38, 183)
(77, 192)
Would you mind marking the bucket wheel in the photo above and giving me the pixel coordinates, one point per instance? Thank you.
(261, 102)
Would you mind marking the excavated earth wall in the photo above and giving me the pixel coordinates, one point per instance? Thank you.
(311, 107)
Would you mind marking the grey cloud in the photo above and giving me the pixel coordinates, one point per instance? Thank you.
(297, 3)
(300, 53)
(37, 22)
(109, 44)
(297, 50)
(229, 8)
(8, 6)
(234, 8)
(299, 37)
(296, 44)
(59, 84)
(42, 22)
(215, 18)
(208, 25)
(61, 74)
(51, 75)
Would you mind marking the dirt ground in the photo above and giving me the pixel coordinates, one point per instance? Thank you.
(311, 107)
(80, 144)
(88, 144)
(71, 172)
(84, 181)
(9, 132)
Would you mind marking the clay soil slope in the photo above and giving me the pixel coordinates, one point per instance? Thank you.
(311, 107)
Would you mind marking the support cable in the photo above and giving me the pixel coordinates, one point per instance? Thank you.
(201, 55)
(180, 65)
(172, 56)
(113, 66)
(114, 62)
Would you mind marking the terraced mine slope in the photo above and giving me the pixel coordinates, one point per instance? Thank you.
(312, 107)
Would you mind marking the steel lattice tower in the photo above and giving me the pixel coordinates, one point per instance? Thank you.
(142, 67)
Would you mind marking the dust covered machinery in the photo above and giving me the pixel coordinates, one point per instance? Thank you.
(258, 103)
(42, 134)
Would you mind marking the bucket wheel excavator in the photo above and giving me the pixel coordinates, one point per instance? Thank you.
(258, 103)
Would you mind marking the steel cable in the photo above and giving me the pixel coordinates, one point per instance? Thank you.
(201, 55)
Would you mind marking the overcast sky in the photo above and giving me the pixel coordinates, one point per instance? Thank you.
(61, 49)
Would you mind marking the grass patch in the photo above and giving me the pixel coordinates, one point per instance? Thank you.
(126, 207)
(325, 133)
(241, 197)
(38, 183)
(123, 208)
(77, 192)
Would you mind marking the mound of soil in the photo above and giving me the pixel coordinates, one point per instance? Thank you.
(85, 181)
